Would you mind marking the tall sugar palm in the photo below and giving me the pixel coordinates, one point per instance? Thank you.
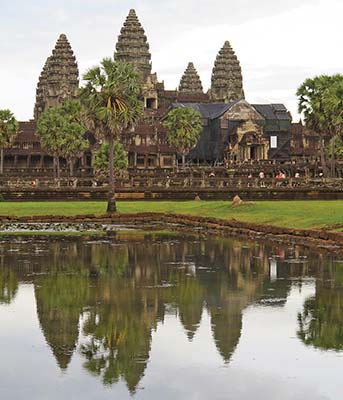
(112, 103)
(8, 131)
(320, 101)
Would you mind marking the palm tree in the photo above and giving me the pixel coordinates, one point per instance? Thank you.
(320, 100)
(8, 131)
(111, 99)
(333, 106)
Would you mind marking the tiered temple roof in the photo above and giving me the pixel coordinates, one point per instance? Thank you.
(59, 80)
(133, 47)
(190, 81)
(227, 81)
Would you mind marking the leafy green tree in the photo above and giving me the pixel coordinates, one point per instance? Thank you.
(51, 126)
(321, 322)
(62, 133)
(74, 140)
(320, 99)
(333, 106)
(8, 285)
(8, 131)
(336, 147)
(111, 97)
(101, 160)
(183, 129)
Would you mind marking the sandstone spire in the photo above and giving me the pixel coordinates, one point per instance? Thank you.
(190, 81)
(41, 91)
(59, 80)
(133, 47)
(226, 81)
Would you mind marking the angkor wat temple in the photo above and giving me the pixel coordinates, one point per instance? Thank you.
(234, 131)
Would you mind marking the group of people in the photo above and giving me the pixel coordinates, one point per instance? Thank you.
(280, 175)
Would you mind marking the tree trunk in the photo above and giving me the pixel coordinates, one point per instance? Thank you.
(54, 166)
(58, 167)
(322, 157)
(183, 160)
(71, 167)
(1, 161)
(333, 157)
(111, 201)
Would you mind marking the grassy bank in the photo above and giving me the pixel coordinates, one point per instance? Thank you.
(296, 214)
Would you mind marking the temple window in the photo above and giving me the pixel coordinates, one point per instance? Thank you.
(151, 103)
(168, 161)
(151, 161)
(140, 160)
(273, 142)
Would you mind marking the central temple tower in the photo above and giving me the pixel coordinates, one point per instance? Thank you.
(133, 47)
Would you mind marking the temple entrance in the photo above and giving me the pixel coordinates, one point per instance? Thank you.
(253, 153)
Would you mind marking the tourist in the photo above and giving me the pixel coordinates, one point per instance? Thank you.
(249, 177)
(261, 176)
(279, 176)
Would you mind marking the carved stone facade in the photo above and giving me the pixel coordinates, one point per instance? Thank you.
(59, 80)
(190, 81)
(247, 140)
(226, 81)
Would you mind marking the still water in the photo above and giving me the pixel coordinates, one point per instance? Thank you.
(149, 316)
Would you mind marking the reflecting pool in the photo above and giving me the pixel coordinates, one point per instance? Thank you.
(165, 316)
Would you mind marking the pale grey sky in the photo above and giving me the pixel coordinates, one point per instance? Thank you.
(279, 42)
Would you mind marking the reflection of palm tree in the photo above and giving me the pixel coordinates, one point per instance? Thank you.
(8, 285)
(321, 322)
(119, 331)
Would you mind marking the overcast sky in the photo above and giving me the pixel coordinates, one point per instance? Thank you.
(278, 42)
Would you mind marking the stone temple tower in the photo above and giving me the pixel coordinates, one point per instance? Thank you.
(226, 81)
(190, 81)
(133, 47)
(59, 79)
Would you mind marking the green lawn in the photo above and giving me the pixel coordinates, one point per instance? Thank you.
(295, 214)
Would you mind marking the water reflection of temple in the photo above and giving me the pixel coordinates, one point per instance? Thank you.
(122, 288)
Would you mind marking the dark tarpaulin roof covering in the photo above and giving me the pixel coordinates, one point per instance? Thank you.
(207, 110)
(273, 111)
(215, 110)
